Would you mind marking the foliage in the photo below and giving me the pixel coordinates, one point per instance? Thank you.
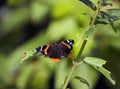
(26, 25)
(98, 63)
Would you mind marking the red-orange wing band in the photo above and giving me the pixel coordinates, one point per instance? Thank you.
(45, 50)
(63, 43)
(55, 59)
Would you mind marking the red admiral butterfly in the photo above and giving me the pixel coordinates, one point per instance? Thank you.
(56, 51)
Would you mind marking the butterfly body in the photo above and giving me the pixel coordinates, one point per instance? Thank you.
(57, 50)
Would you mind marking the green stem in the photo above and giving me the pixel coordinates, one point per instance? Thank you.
(96, 13)
(81, 50)
(82, 47)
(69, 76)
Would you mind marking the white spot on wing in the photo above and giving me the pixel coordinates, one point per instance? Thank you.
(41, 48)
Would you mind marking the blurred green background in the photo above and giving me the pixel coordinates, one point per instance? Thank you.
(27, 24)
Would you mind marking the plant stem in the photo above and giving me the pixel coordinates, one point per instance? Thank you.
(96, 13)
(82, 47)
(81, 50)
(69, 76)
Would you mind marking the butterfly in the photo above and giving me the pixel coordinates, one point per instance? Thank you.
(56, 51)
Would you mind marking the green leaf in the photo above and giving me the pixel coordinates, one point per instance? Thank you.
(110, 16)
(27, 54)
(95, 61)
(89, 4)
(114, 18)
(105, 18)
(82, 80)
(114, 12)
(98, 63)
